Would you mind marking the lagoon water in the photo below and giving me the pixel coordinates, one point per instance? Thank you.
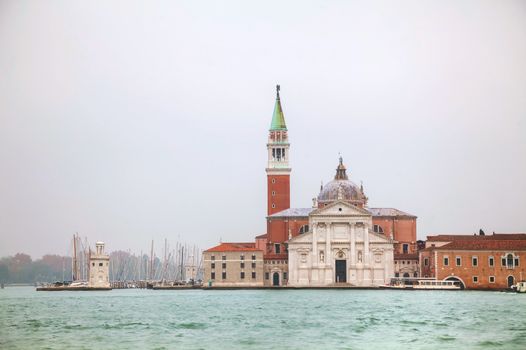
(261, 319)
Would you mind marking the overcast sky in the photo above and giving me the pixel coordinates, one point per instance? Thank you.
(128, 121)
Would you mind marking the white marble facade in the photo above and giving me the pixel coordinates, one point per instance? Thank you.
(340, 247)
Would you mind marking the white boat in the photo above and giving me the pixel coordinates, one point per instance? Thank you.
(442, 285)
(421, 284)
(520, 287)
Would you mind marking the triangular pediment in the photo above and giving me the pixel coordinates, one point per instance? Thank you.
(303, 238)
(340, 208)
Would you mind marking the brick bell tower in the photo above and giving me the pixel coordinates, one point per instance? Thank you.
(278, 169)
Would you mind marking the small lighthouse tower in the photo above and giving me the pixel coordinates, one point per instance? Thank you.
(99, 268)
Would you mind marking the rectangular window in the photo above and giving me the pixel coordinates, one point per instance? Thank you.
(253, 256)
(223, 265)
(213, 265)
(253, 265)
(405, 248)
(223, 275)
(446, 261)
(101, 264)
(475, 279)
(277, 248)
(92, 264)
(284, 275)
(213, 258)
(267, 275)
(213, 276)
(491, 261)
(491, 279)
(223, 257)
(516, 261)
(474, 261)
(426, 261)
(458, 261)
(253, 274)
(242, 265)
(242, 257)
(242, 275)
(503, 261)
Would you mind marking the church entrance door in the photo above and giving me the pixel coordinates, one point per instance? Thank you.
(275, 279)
(341, 271)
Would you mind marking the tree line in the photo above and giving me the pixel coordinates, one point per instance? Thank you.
(20, 268)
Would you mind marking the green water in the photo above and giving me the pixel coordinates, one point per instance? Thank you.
(261, 319)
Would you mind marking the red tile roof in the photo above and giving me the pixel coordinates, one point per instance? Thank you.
(406, 256)
(234, 247)
(512, 244)
(495, 236)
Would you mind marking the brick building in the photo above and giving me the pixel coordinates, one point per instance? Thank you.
(494, 261)
(234, 265)
(396, 228)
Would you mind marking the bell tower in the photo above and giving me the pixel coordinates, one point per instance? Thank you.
(278, 168)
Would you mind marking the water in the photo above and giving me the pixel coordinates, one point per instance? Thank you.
(261, 319)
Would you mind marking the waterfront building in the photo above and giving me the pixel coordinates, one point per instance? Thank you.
(233, 265)
(359, 245)
(99, 267)
(495, 261)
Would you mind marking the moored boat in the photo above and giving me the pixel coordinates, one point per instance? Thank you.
(421, 284)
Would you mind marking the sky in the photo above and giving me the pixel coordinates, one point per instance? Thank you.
(127, 121)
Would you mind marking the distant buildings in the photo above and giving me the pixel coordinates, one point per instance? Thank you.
(337, 240)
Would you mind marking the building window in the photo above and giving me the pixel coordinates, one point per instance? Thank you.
(405, 248)
(474, 261)
(510, 260)
(397, 274)
(213, 276)
(223, 275)
(458, 261)
(516, 261)
(491, 261)
(446, 261)
(242, 265)
(101, 264)
(242, 257)
(253, 256)
(304, 229)
(223, 257)
(253, 274)
(426, 261)
(273, 193)
(242, 275)
(491, 279)
(224, 265)
(273, 205)
(277, 248)
(213, 258)
(475, 279)
(267, 275)
(213, 265)
(273, 181)
(92, 264)
(503, 262)
(253, 265)
(378, 229)
(284, 275)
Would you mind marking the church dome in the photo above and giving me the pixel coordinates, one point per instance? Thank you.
(341, 188)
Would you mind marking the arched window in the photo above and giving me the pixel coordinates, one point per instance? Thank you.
(304, 229)
(509, 260)
(378, 229)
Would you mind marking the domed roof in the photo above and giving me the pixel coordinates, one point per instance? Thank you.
(341, 188)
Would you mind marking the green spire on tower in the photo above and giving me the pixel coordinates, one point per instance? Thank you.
(278, 119)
